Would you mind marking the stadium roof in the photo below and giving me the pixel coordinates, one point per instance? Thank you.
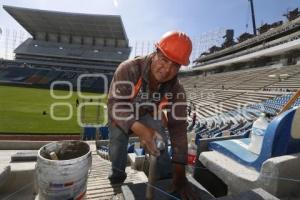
(62, 23)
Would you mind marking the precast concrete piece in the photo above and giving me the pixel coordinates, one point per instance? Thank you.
(4, 174)
(161, 190)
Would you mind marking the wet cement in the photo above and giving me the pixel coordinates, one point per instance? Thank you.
(68, 150)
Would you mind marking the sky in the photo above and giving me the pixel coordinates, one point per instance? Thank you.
(147, 20)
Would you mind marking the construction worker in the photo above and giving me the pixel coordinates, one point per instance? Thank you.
(194, 118)
(141, 88)
(189, 109)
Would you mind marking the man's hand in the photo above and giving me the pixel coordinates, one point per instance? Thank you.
(181, 185)
(147, 136)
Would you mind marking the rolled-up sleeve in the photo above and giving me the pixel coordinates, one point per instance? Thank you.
(177, 124)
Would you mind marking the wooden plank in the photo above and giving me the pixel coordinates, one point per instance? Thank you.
(98, 185)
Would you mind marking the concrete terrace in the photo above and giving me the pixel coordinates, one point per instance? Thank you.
(17, 177)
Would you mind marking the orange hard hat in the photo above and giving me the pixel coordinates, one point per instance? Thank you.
(176, 46)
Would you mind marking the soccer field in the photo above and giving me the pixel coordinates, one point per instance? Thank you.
(21, 111)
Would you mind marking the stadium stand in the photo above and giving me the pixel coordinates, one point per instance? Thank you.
(97, 41)
(227, 101)
(49, 77)
(275, 162)
(43, 77)
(231, 101)
(64, 49)
(228, 88)
(270, 38)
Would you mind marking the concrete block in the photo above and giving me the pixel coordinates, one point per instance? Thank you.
(4, 174)
(24, 156)
(136, 162)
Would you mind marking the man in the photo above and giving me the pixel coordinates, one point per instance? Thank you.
(194, 118)
(189, 109)
(141, 88)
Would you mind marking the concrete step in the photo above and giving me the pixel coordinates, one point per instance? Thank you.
(4, 174)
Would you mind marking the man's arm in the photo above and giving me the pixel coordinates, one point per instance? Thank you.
(120, 107)
(177, 125)
(147, 137)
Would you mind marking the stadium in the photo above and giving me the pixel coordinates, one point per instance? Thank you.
(55, 91)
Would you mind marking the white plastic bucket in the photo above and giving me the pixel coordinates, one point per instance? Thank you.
(65, 178)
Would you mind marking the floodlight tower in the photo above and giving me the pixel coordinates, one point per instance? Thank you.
(253, 17)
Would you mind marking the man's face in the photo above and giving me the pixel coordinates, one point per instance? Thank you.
(162, 68)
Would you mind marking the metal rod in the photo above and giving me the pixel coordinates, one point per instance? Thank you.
(151, 177)
(290, 102)
(253, 17)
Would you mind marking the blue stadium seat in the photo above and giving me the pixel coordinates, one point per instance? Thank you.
(89, 133)
(104, 132)
(130, 148)
(282, 137)
(104, 148)
(139, 151)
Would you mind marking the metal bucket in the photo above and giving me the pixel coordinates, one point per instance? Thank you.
(65, 178)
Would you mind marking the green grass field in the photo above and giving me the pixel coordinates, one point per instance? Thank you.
(21, 111)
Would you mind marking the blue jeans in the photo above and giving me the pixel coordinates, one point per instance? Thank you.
(118, 148)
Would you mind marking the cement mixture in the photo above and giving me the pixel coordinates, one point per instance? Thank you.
(68, 150)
